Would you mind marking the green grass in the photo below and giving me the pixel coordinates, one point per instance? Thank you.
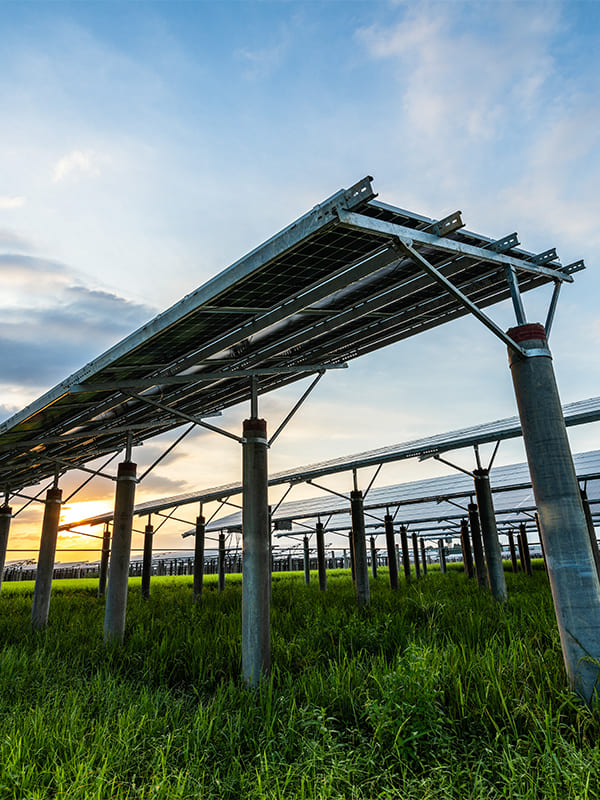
(432, 692)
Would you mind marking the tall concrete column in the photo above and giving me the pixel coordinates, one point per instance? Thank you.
(489, 531)
(480, 570)
(373, 557)
(442, 556)
(541, 538)
(423, 556)
(104, 556)
(5, 518)
(221, 565)
(256, 572)
(199, 557)
(571, 567)
(522, 558)
(591, 529)
(513, 554)
(466, 548)
(321, 557)
(359, 543)
(306, 561)
(45, 568)
(523, 534)
(391, 551)
(405, 552)
(147, 562)
(415, 544)
(118, 574)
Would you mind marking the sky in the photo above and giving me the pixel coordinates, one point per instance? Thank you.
(144, 147)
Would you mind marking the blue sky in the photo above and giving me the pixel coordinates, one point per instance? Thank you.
(146, 146)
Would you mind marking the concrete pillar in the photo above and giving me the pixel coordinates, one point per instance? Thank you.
(199, 558)
(118, 575)
(480, 569)
(522, 559)
(571, 567)
(541, 538)
(256, 623)
(391, 551)
(466, 548)
(5, 518)
(523, 534)
(321, 566)
(360, 548)
(221, 564)
(591, 529)
(415, 545)
(489, 531)
(345, 557)
(442, 555)
(104, 556)
(45, 568)
(373, 557)
(513, 554)
(423, 556)
(405, 552)
(147, 562)
(306, 561)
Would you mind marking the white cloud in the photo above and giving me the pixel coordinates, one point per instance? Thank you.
(11, 202)
(78, 163)
(262, 62)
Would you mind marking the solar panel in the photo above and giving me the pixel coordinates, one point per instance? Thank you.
(335, 284)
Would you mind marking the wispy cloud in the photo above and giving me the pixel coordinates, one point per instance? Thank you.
(261, 62)
(77, 164)
(11, 202)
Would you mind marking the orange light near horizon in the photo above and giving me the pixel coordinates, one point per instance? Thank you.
(73, 512)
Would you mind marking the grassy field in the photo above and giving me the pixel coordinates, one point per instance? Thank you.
(432, 692)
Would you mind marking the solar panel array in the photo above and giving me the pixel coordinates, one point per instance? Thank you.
(332, 286)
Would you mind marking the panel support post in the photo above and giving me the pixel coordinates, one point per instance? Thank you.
(442, 556)
(5, 518)
(415, 544)
(118, 574)
(466, 548)
(391, 551)
(256, 572)
(45, 567)
(423, 556)
(359, 543)
(489, 531)
(306, 561)
(199, 558)
(104, 555)
(405, 552)
(523, 534)
(571, 567)
(521, 547)
(221, 565)
(477, 545)
(373, 557)
(147, 562)
(513, 553)
(322, 567)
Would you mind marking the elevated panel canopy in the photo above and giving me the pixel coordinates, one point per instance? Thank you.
(578, 413)
(343, 280)
(423, 502)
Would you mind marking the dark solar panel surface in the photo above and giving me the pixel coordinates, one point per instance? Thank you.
(320, 292)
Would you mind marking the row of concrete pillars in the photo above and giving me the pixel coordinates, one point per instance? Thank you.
(564, 530)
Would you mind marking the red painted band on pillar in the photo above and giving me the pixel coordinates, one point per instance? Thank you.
(524, 333)
(126, 469)
(255, 424)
